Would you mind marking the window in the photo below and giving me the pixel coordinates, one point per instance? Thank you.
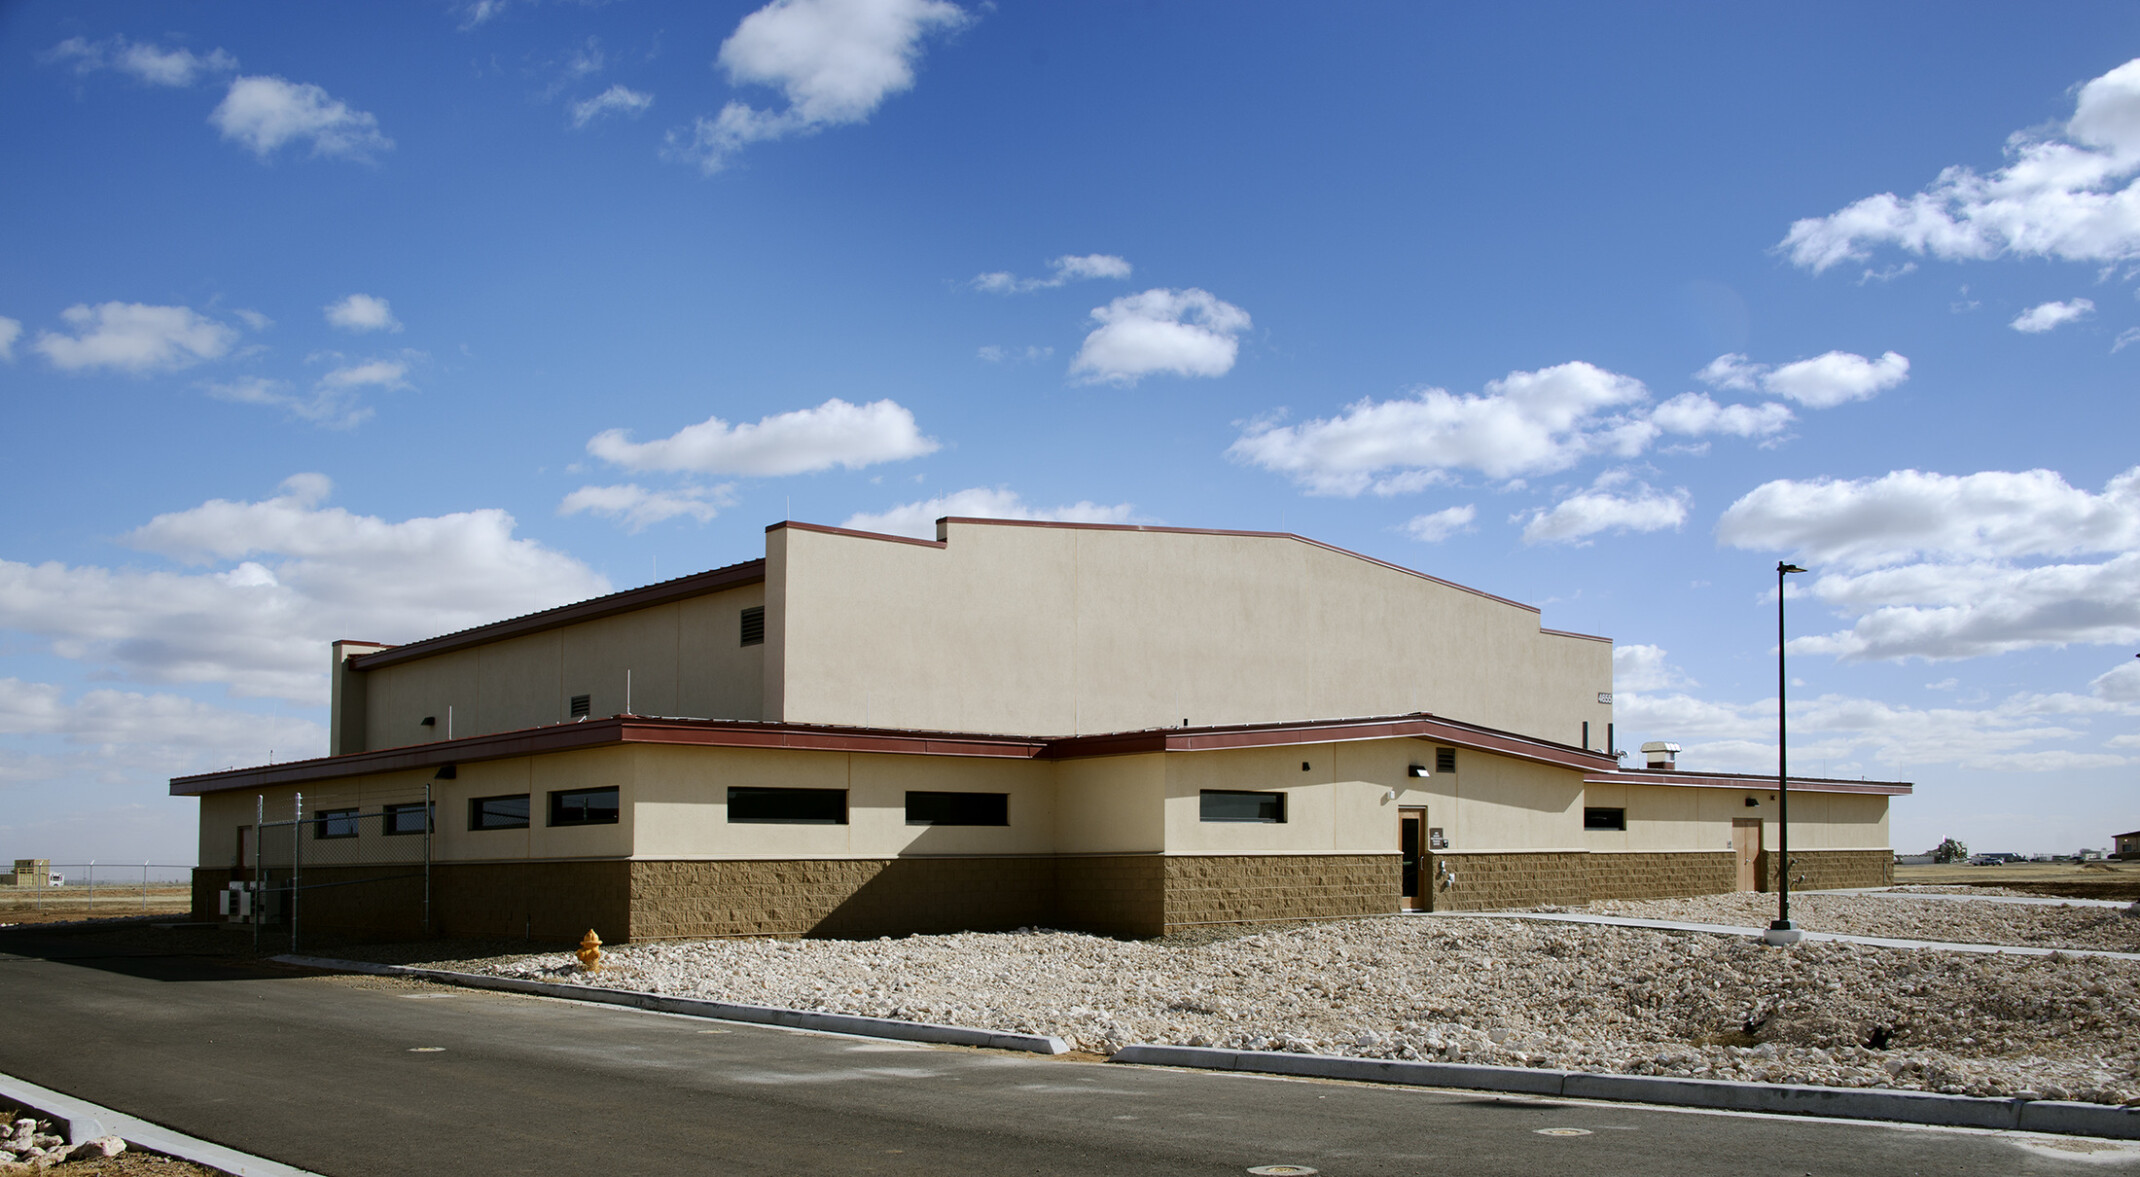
(584, 807)
(1445, 760)
(335, 823)
(1237, 805)
(1604, 819)
(754, 626)
(412, 818)
(580, 706)
(958, 809)
(498, 813)
(794, 807)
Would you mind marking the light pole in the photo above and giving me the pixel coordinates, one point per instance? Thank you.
(1782, 932)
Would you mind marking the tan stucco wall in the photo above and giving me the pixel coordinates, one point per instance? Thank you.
(1048, 631)
(685, 659)
(1499, 803)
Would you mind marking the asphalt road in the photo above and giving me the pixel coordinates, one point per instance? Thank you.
(349, 1076)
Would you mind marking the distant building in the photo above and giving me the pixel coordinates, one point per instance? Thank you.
(1121, 729)
(2125, 845)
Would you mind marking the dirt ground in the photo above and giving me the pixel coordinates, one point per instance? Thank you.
(2066, 880)
(45, 905)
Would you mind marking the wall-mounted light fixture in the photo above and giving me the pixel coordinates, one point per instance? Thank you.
(1416, 770)
(448, 773)
(1753, 802)
(428, 721)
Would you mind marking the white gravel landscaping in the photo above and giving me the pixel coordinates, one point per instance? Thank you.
(2046, 924)
(1475, 990)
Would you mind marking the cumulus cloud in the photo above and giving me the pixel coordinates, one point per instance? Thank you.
(1440, 525)
(1694, 414)
(1525, 423)
(639, 508)
(360, 313)
(2044, 316)
(164, 732)
(152, 64)
(265, 113)
(618, 99)
(1637, 667)
(1185, 332)
(1939, 566)
(135, 338)
(2120, 684)
(1063, 271)
(835, 433)
(10, 331)
(979, 502)
(1604, 507)
(1822, 382)
(835, 61)
(261, 587)
(2068, 196)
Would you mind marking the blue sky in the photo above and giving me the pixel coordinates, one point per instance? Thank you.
(380, 321)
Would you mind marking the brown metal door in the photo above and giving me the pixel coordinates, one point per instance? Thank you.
(1746, 840)
(1412, 845)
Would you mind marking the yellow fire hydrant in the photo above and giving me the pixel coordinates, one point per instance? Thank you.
(590, 952)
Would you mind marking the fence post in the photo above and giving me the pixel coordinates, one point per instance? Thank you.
(144, 887)
(92, 870)
(259, 832)
(297, 877)
(429, 825)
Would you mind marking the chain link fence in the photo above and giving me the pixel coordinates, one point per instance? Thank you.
(340, 870)
(39, 890)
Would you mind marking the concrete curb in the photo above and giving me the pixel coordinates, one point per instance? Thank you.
(726, 1011)
(1855, 1103)
(81, 1120)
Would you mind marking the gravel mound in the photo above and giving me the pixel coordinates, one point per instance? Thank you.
(1501, 992)
(2047, 924)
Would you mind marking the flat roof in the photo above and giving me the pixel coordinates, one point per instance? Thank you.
(723, 733)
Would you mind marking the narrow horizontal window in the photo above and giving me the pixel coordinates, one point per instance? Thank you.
(412, 818)
(958, 809)
(1445, 760)
(1234, 805)
(335, 823)
(581, 706)
(754, 625)
(794, 807)
(498, 813)
(1595, 818)
(584, 807)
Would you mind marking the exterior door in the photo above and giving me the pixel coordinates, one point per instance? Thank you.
(1746, 840)
(1412, 845)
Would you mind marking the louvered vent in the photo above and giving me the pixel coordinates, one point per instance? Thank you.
(580, 706)
(754, 625)
(1445, 760)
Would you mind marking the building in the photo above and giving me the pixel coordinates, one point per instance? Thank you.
(1121, 729)
(2125, 845)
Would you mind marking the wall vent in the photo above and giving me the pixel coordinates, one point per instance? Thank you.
(754, 626)
(1445, 760)
(580, 706)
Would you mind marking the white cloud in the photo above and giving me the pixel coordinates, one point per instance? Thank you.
(1995, 514)
(1442, 524)
(1822, 382)
(1938, 566)
(268, 584)
(1582, 515)
(134, 337)
(2041, 318)
(618, 99)
(10, 331)
(170, 732)
(481, 12)
(1695, 414)
(995, 354)
(1525, 423)
(333, 408)
(2120, 684)
(264, 113)
(369, 374)
(2011, 736)
(148, 63)
(2127, 337)
(835, 433)
(362, 312)
(919, 519)
(1636, 667)
(1067, 269)
(2068, 198)
(640, 508)
(1186, 332)
(836, 61)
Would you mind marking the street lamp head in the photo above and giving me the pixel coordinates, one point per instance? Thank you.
(1783, 568)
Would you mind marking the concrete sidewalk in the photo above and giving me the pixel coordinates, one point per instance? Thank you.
(2026, 900)
(1734, 930)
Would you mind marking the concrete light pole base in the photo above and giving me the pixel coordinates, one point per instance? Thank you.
(1782, 934)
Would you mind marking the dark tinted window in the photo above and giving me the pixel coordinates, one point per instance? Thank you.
(1604, 819)
(584, 807)
(1229, 805)
(498, 813)
(802, 807)
(958, 809)
(335, 823)
(405, 819)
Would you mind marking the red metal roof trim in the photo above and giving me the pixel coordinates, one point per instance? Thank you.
(848, 531)
(697, 584)
(1745, 781)
(1418, 726)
